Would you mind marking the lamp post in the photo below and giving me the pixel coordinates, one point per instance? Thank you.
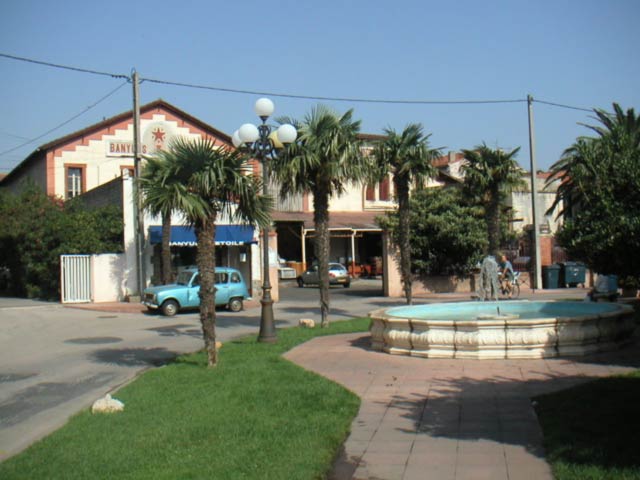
(260, 142)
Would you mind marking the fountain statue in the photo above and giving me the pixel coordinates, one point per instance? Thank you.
(488, 289)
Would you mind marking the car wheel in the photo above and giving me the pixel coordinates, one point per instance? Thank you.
(300, 282)
(347, 285)
(235, 304)
(170, 308)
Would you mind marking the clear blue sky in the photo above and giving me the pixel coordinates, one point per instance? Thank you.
(581, 53)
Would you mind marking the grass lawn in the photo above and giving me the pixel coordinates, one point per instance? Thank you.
(256, 415)
(592, 431)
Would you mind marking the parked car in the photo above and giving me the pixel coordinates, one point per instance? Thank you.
(338, 275)
(231, 291)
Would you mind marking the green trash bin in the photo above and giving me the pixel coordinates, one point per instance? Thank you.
(573, 273)
(551, 276)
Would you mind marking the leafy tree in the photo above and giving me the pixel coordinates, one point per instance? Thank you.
(36, 229)
(407, 157)
(448, 235)
(489, 176)
(217, 182)
(599, 190)
(162, 193)
(325, 158)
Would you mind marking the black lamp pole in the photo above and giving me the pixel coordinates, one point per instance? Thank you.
(258, 141)
(263, 149)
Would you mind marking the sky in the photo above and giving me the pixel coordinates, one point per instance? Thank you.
(578, 53)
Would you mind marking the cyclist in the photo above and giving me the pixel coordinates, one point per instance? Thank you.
(506, 275)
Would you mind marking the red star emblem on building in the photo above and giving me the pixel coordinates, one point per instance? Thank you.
(158, 135)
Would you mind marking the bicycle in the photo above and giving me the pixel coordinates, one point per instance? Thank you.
(515, 286)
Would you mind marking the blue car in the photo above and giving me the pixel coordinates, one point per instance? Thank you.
(231, 291)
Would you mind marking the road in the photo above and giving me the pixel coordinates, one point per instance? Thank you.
(56, 360)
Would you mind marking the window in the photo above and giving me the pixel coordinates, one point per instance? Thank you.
(127, 170)
(380, 192)
(235, 278)
(384, 190)
(222, 278)
(370, 194)
(75, 180)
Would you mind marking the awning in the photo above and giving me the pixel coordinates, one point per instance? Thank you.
(182, 236)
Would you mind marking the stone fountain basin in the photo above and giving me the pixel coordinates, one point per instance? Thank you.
(519, 329)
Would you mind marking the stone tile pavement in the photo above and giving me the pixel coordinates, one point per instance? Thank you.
(446, 419)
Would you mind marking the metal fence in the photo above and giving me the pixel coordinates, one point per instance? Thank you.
(75, 273)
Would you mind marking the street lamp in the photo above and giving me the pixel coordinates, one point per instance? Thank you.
(260, 142)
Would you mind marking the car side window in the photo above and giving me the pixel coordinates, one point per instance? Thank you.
(222, 277)
(235, 277)
(196, 280)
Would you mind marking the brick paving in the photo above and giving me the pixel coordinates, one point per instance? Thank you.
(446, 419)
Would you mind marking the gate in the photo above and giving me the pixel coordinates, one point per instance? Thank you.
(75, 273)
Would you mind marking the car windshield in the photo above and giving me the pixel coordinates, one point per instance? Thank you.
(184, 277)
(335, 266)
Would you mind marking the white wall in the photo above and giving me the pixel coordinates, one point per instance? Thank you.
(108, 272)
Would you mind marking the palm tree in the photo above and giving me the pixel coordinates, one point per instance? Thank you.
(407, 157)
(586, 165)
(217, 182)
(161, 195)
(322, 162)
(489, 175)
(623, 129)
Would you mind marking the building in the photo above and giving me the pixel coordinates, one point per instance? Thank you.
(97, 163)
(356, 240)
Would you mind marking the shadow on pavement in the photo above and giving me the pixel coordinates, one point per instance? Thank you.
(130, 357)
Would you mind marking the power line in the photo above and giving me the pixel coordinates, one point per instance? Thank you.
(333, 99)
(19, 137)
(287, 95)
(64, 67)
(66, 121)
(564, 106)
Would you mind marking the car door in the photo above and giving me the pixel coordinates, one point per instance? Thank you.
(237, 288)
(222, 288)
(311, 275)
(193, 292)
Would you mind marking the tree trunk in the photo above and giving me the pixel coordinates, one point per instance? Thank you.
(205, 259)
(166, 270)
(321, 220)
(402, 191)
(493, 224)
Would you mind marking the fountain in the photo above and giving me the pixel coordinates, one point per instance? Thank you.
(488, 330)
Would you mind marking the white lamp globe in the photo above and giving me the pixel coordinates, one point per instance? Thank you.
(235, 139)
(248, 133)
(287, 133)
(264, 107)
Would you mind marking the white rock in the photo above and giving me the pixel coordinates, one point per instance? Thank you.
(107, 404)
(307, 322)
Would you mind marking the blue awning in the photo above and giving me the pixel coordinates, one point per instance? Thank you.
(182, 236)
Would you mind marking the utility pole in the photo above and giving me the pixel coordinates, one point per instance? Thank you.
(137, 198)
(534, 196)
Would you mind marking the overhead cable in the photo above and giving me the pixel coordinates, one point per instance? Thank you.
(288, 95)
(66, 121)
(333, 99)
(64, 67)
(563, 106)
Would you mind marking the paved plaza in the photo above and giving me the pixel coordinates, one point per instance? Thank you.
(446, 419)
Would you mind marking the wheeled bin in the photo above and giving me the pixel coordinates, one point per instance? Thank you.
(573, 273)
(551, 276)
